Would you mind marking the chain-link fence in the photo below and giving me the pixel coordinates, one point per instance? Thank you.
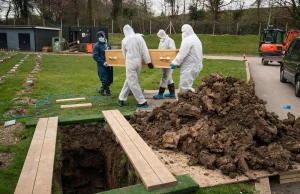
(153, 25)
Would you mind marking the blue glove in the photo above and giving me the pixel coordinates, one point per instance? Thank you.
(173, 66)
(105, 64)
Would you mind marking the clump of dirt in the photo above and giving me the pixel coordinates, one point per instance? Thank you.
(11, 134)
(26, 100)
(92, 161)
(223, 125)
(16, 111)
(25, 91)
(5, 159)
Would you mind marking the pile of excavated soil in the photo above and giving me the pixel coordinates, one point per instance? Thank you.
(223, 125)
(92, 161)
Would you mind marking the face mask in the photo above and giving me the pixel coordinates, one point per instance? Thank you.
(101, 39)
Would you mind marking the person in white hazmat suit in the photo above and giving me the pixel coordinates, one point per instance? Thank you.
(134, 50)
(166, 43)
(189, 58)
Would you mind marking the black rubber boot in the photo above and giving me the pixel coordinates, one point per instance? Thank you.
(144, 105)
(107, 90)
(102, 91)
(121, 103)
(161, 91)
(171, 88)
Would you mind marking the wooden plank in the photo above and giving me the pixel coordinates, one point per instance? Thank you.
(289, 180)
(70, 100)
(85, 105)
(148, 176)
(263, 186)
(289, 176)
(158, 167)
(29, 171)
(43, 181)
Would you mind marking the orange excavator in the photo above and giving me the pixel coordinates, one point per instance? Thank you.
(273, 42)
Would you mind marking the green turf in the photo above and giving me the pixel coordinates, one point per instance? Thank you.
(9, 177)
(9, 63)
(185, 184)
(76, 76)
(212, 44)
(13, 84)
(239, 188)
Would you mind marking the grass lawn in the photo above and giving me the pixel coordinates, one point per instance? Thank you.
(9, 63)
(65, 76)
(212, 44)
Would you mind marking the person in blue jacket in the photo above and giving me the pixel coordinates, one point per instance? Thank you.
(105, 72)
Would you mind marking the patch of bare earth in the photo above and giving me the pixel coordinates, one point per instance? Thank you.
(7, 135)
(5, 159)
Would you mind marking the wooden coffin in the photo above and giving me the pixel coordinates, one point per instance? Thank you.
(159, 58)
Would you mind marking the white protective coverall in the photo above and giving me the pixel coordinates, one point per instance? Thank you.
(166, 43)
(189, 58)
(134, 50)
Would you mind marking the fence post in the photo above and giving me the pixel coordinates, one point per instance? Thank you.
(77, 22)
(214, 28)
(14, 21)
(61, 24)
(237, 28)
(112, 26)
(28, 21)
(44, 21)
(150, 26)
(259, 29)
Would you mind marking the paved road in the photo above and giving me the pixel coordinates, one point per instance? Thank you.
(277, 94)
(268, 87)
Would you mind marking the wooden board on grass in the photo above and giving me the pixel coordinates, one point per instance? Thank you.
(148, 176)
(177, 164)
(30, 167)
(70, 100)
(158, 167)
(263, 186)
(85, 105)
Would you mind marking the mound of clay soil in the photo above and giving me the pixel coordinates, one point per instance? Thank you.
(223, 125)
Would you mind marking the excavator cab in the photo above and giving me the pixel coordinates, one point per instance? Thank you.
(271, 45)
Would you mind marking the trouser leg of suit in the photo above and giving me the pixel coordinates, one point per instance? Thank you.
(166, 78)
(131, 83)
(125, 91)
(187, 77)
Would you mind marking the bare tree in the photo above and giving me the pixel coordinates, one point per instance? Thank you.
(293, 7)
(215, 6)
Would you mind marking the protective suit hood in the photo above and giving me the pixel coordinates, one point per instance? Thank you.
(128, 30)
(187, 30)
(161, 34)
(102, 33)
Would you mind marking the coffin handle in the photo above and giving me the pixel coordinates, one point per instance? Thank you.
(165, 58)
(113, 58)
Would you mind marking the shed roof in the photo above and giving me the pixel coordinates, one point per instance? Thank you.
(28, 27)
